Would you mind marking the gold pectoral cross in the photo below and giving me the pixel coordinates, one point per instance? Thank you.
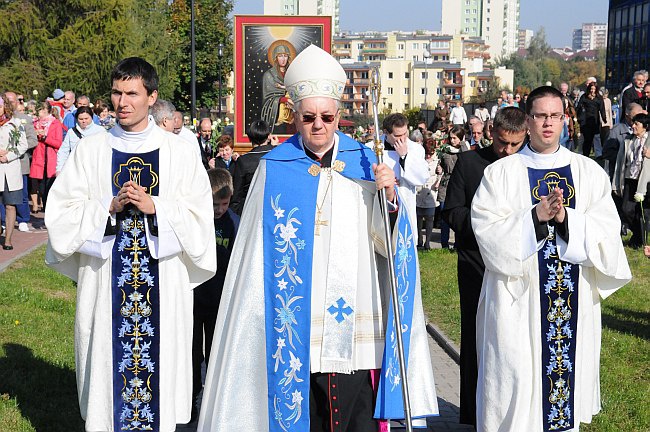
(319, 223)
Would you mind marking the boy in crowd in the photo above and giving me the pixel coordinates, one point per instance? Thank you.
(208, 295)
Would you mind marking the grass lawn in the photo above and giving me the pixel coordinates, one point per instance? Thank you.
(625, 356)
(37, 382)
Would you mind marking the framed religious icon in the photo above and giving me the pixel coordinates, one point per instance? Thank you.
(264, 49)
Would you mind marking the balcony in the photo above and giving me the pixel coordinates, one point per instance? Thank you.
(360, 81)
(458, 82)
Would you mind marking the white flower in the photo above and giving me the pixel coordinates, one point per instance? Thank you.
(639, 197)
(35, 92)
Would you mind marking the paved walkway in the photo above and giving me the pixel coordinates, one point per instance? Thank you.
(444, 354)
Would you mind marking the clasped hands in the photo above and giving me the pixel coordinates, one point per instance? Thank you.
(385, 179)
(550, 207)
(132, 193)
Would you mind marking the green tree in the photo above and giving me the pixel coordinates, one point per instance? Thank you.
(212, 27)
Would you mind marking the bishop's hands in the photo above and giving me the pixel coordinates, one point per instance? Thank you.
(132, 193)
(385, 179)
(550, 207)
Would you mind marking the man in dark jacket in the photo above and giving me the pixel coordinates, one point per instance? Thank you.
(258, 134)
(509, 134)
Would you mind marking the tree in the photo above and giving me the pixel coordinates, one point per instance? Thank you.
(538, 47)
(212, 27)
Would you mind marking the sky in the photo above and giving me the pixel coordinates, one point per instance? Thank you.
(558, 17)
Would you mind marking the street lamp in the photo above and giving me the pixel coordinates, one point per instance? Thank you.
(426, 54)
(220, 54)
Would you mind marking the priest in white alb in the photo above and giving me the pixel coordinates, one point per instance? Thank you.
(302, 330)
(130, 220)
(548, 232)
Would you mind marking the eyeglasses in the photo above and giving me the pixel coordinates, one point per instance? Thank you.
(326, 118)
(543, 118)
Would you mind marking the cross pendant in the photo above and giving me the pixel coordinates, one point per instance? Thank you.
(319, 223)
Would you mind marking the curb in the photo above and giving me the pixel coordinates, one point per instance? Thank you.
(445, 343)
(6, 264)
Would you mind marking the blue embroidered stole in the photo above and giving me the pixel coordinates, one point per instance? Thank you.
(558, 281)
(390, 402)
(135, 304)
(288, 231)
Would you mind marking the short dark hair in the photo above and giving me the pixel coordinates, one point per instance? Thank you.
(136, 67)
(541, 92)
(258, 132)
(226, 140)
(458, 131)
(221, 183)
(394, 120)
(510, 119)
(83, 110)
(642, 118)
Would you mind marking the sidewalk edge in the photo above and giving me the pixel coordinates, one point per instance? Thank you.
(6, 264)
(445, 343)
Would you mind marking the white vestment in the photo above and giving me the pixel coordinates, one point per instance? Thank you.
(235, 395)
(414, 174)
(508, 324)
(76, 217)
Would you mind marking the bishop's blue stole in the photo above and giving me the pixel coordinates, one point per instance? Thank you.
(135, 304)
(558, 281)
(288, 231)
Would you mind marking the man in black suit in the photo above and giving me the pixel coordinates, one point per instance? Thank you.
(205, 134)
(509, 133)
(258, 134)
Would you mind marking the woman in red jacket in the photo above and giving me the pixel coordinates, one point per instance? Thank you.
(43, 170)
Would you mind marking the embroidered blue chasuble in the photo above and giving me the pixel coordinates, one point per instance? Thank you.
(288, 230)
(135, 304)
(558, 281)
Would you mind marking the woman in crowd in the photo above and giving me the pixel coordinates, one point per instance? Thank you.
(105, 119)
(13, 144)
(84, 127)
(49, 131)
(482, 112)
(607, 122)
(590, 110)
(426, 199)
(447, 162)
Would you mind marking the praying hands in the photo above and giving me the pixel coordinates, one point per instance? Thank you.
(550, 207)
(132, 193)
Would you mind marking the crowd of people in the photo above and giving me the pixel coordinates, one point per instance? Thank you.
(260, 266)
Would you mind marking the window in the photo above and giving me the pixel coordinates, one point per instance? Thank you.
(472, 84)
(400, 46)
(474, 11)
(467, 11)
(438, 91)
(389, 90)
(435, 58)
(406, 91)
(424, 75)
(415, 58)
(390, 75)
(406, 106)
(423, 91)
(407, 75)
(416, 45)
(390, 105)
(466, 20)
(466, 29)
(438, 75)
(360, 46)
(475, 20)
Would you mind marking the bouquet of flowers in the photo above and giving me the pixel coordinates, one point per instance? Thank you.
(442, 143)
(217, 128)
(14, 139)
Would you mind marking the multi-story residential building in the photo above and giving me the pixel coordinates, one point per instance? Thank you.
(524, 38)
(627, 47)
(590, 36)
(494, 21)
(305, 7)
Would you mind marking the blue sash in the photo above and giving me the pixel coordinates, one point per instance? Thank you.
(558, 281)
(390, 402)
(288, 231)
(135, 300)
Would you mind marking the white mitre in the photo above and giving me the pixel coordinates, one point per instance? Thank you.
(314, 73)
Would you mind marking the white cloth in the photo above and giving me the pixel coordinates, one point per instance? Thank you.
(414, 174)
(458, 116)
(77, 209)
(235, 393)
(190, 137)
(509, 396)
